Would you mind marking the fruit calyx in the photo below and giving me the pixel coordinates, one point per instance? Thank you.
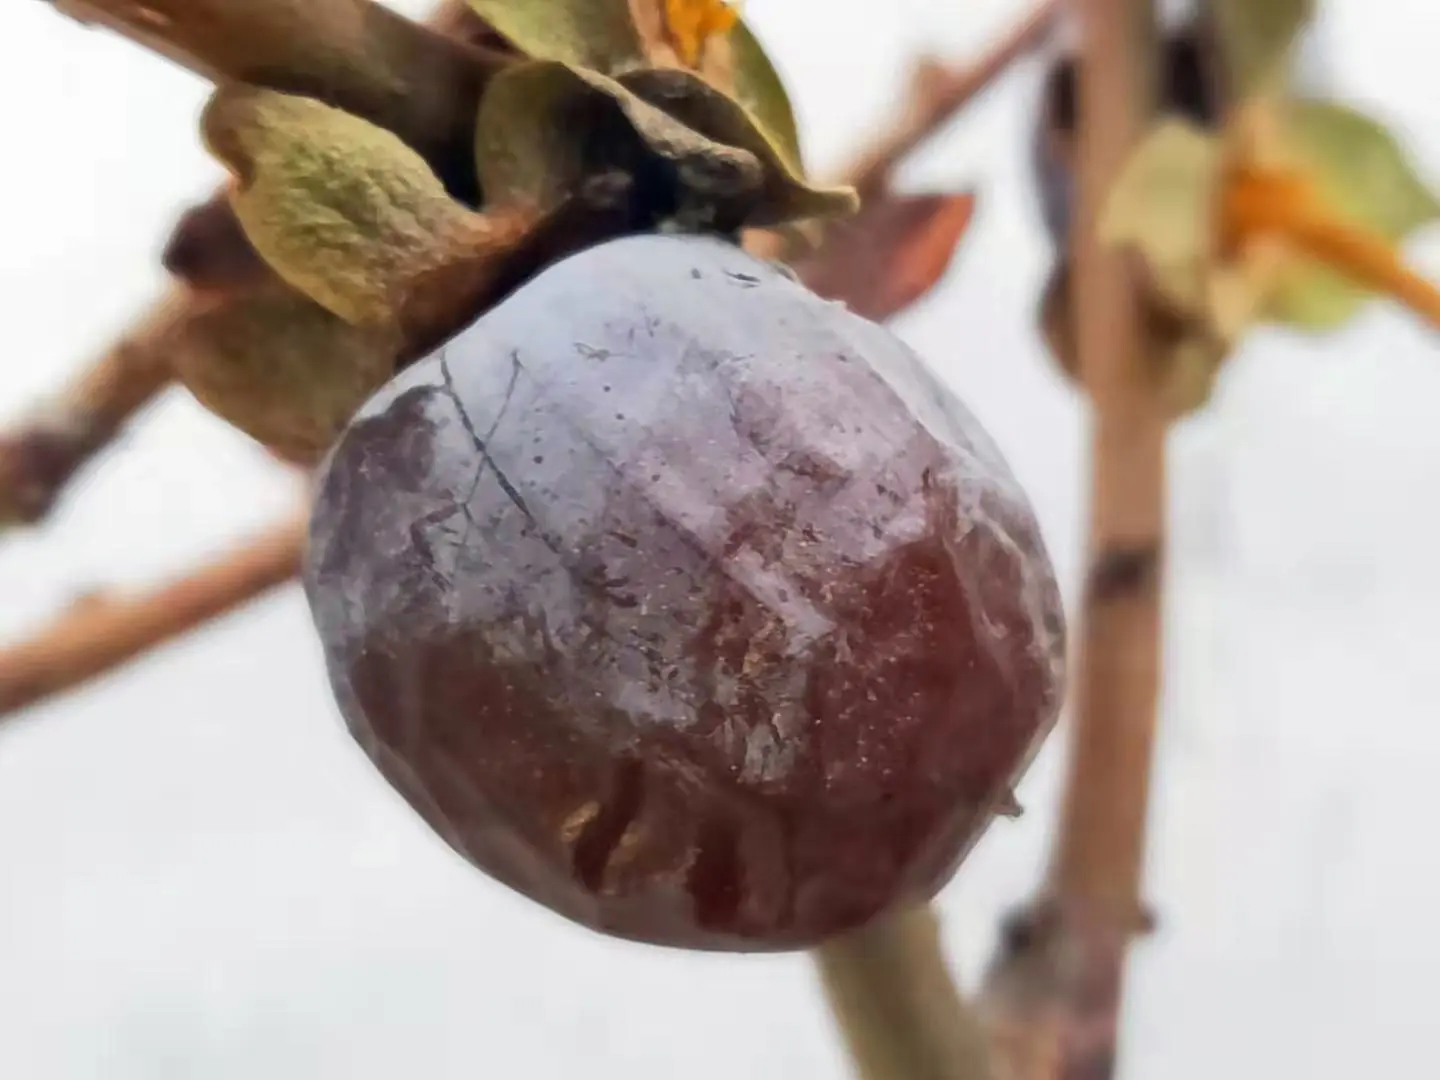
(607, 118)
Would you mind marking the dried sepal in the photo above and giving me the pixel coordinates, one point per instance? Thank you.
(788, 196)
(697, 152)
(615, 37)
(341, 209)
(279, 367)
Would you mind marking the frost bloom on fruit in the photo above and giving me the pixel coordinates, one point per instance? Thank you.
(686, 603)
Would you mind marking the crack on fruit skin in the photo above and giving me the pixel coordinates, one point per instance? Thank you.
(791, 582)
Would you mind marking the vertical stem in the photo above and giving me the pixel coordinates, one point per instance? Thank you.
(1101, 845)
(1052, 998)
(897, 1005)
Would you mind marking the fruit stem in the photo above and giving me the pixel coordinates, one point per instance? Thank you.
(897, 1003)
(1285, 205)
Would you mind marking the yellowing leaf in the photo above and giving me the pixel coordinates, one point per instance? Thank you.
(1362, 175)
(1163, 204)
(342, 210)
(1256, 38)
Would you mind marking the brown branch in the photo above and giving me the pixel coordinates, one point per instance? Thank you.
(206, 251)
(938, 91)
(897, 1003)
(1054, 994)
(936, 94)
(100, 633)
(43, 452)
(354, 54)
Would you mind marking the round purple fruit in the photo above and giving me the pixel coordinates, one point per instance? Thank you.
(687, 603)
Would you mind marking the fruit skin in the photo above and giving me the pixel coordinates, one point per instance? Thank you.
(686, 603)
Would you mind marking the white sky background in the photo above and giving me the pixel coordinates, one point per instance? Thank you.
(204, 878)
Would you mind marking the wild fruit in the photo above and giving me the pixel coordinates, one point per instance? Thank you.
(686, 603)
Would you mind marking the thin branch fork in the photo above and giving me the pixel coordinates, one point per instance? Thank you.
(938, 91)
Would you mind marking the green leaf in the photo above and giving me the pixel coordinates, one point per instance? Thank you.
(597, 34)
(1163, 205)
(342, 210)
(705, 162)
(1256, 38)
(1360, 166)
(1364, 173)
(758, 87)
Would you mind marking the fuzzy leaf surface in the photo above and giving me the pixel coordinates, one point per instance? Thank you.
(342, 210)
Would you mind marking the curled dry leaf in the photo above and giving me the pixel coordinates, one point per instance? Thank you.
(696, 152)
(527, 148)
(890, 254)
(617, 37)
(787, 196)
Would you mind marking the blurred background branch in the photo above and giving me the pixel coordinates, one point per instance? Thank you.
(1053, 995)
